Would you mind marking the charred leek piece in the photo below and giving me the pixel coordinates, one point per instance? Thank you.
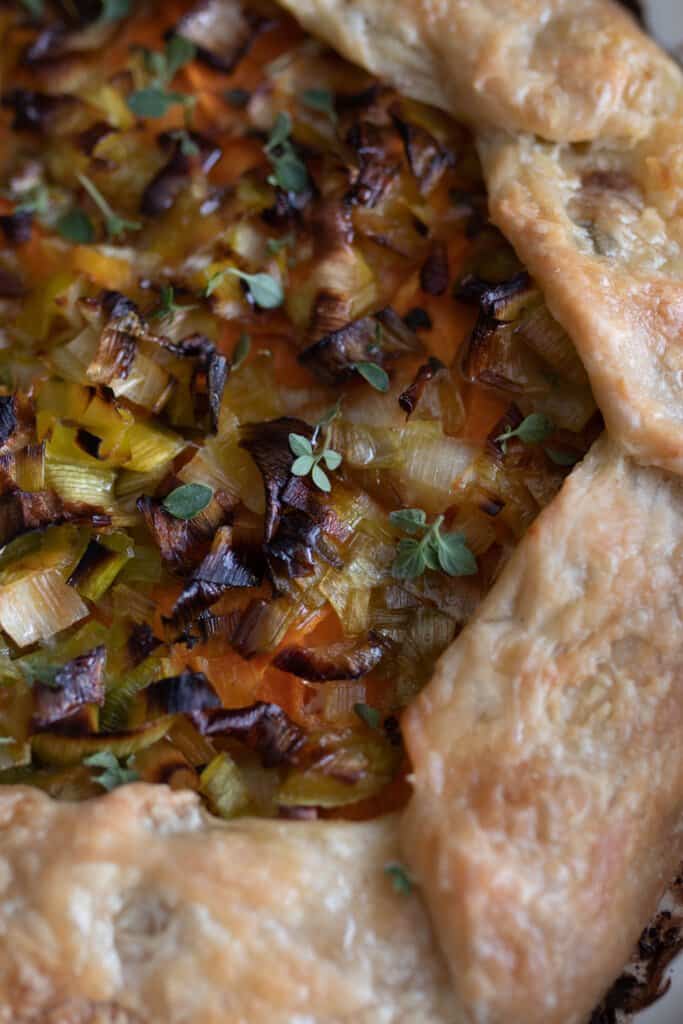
(56, 749)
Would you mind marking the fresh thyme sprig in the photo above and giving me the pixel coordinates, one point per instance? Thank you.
(310, 453)
(445, 552)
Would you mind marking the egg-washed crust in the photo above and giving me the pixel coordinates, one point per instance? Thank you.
(139, 907)
(243, 911)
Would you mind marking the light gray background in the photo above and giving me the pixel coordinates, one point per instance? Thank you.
(665, 18)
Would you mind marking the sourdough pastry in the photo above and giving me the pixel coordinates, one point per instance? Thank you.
(220, 184)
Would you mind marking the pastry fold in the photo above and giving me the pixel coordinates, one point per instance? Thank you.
(548, 752)
(140, 907)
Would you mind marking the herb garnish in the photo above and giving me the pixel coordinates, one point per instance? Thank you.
(114, 10)
(114, 774)
(75, 226)
(242, 349)
(321, 100)
(35, 199)
(289, 171)
(367, 714)
(532, 430)
(36, 8)
(168, 307)
(188, 147)
(374, 374)
(447, 552)
(401, 878)
(264, 289)
(187, 501)
(275, 245)
(308, 459)
(114, 225)
(155, 99)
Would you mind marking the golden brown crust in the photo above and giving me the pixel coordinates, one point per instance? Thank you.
(138, 907)
(548, 752)
(566, 70)
(601, 228)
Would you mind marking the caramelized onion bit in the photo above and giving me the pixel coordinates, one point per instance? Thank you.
(8, 417)
(377, 166)
(268, 445)
(221, 570)
(79, 682)
(266, 728)
(183, 542)
(21, 511)
(426, 158)
(371, 339)
(17, 227)
(35, 111)
(210, 375)
(434, 272)
(186, 693)
(142, 642)
(409, 398)
(222, 32)
(332, 662)
(167, 184)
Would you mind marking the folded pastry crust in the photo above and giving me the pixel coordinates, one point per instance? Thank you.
(548, 760)
(548, 752)
(139, 907)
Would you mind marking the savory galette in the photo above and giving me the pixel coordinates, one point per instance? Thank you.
(290, 365)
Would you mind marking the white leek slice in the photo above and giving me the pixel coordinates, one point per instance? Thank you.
(33, 608)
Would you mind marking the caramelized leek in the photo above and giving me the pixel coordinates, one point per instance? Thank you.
(56, 749)
(222, 785)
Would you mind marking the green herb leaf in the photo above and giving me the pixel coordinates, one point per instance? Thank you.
(153, 101)
(36, 8)
(265, 290)
(75, 226)
(374, 375)
(33, 200)
(308, 460)
(409, 519)
(303, 465)
(114, 10)
(275, 245)
(188, 500)
(455, 558)
(242, 349)
(178, 52)
(188, 147)
(114, 224)
(561, 457)
(532, 430)
(370, 716)
(445, 552)
(331, 459)
(237, 98)
(410, 559)
(290, 173)
(114, 774)
(300, 445)
(280, 132)
(400, 878)
(321, 100)
(320, 478)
